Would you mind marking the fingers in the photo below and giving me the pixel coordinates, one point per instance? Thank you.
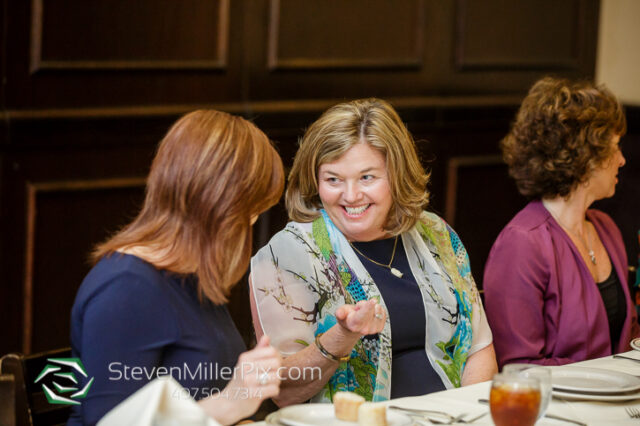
(257, 379)
(365, 310)
(263, 355)
(258, 354)
(365, 317)
(379, 313)
(265, 380)
(269, 391)
(263, 350)
(263, 342)
(365, 304)
(379, 320)
(343, 311)
(247, 366)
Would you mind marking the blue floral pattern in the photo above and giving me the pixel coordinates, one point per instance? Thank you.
(308, 270)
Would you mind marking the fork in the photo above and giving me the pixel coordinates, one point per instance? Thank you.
(424, 413)
(634, 413)
(478, 417)
(626, 357)
(456, 420)
(442, 422)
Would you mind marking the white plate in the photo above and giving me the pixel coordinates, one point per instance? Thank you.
(322, 414)
(635, 343)
(572, 396)
(593, 380)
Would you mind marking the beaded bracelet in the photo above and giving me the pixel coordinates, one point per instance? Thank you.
(328, 355)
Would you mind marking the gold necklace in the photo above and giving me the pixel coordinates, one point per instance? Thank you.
(393, 270)
(586, 245)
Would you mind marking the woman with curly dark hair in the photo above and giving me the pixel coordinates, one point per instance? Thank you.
(556, 278)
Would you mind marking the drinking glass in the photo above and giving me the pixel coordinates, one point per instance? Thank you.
(543, 374)
(514, 400)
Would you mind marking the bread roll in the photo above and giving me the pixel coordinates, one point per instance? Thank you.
(372, 414)
(346, 405)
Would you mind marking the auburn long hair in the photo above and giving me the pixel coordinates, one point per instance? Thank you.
(211, 174)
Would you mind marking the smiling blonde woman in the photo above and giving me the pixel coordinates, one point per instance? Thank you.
(362, 262)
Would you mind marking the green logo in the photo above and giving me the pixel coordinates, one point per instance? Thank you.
(53, 370)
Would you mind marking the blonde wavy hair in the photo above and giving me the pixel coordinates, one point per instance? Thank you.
(376, 123)
(211, 174)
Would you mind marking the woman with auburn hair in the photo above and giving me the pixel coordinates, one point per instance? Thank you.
(556, 278)
(155, 299)
(362, 262)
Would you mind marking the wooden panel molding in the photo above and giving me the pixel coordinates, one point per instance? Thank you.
(533, 34)
(481, 198)
(334, 34)
(453, 167)
(70, 35)
(260, 107)
(33, 191)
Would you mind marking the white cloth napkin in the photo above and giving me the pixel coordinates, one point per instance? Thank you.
(161, 402)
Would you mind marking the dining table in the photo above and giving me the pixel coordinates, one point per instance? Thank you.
(471, 400)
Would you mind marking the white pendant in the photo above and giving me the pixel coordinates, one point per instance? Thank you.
(397, 273)
(592, 255)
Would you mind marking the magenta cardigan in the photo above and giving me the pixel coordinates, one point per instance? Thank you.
(541, 301)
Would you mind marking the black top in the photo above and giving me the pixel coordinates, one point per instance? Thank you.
(411, 371)
(615, 304)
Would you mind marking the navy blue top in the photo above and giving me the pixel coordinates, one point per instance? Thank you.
(411, 371)
(130, 318)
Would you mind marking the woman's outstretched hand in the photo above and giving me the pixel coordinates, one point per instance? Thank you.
(353, 322)
(365, 317)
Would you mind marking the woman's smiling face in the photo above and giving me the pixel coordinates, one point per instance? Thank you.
(355, 192)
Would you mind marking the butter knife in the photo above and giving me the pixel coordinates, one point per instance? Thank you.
(547, 415)
(626, 357)
(422, 412)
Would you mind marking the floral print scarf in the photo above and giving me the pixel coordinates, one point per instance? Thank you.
(308, 270)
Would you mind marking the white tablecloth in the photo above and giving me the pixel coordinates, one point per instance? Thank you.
(465, 400)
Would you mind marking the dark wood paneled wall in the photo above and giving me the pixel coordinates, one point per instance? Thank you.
(481, 198)
(89, 88)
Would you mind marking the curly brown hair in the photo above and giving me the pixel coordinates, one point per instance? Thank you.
(562, 132)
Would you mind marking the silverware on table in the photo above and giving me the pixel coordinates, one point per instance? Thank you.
(564, 419)
(428, 414)
(547, 415)
(435, 421)
(478, 417)
(626, 357)
(456, 420)
(448, 419)
(634, 413)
